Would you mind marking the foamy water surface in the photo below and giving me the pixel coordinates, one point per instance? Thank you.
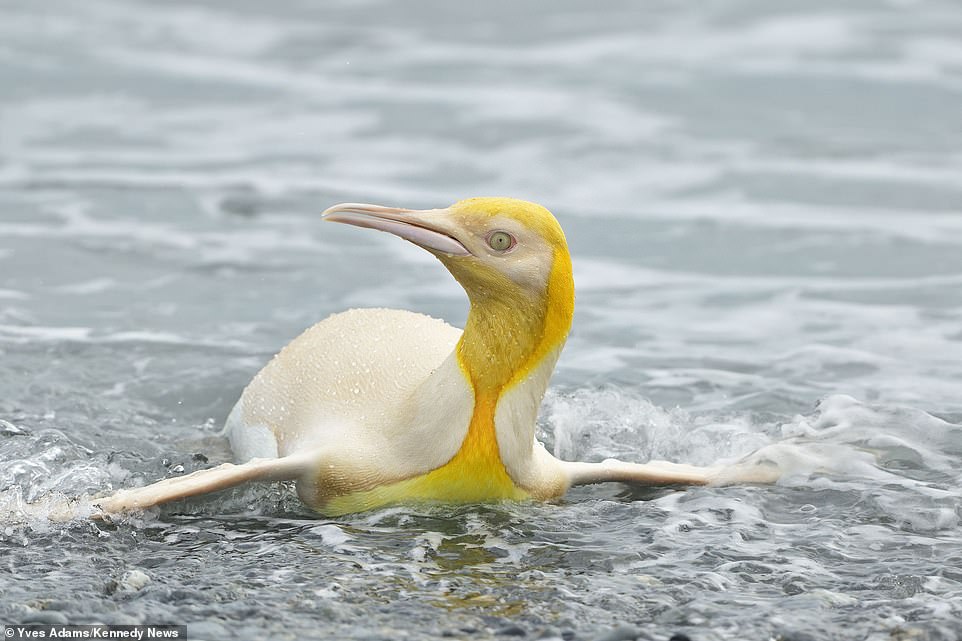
(764, 208)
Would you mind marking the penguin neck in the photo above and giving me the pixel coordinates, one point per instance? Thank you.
(499, 341)
(510, 344)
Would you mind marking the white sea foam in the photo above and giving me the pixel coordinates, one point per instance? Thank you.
(844, 444)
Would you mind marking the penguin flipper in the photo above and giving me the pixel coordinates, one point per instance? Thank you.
(665, 473)
(205, 481)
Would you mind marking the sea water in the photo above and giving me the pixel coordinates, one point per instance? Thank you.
(764, 208)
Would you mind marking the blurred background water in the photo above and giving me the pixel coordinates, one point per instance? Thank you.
(764, 206)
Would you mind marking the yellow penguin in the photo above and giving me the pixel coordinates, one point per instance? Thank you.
(373, 407)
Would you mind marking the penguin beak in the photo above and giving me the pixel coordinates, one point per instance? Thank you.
(427, 228)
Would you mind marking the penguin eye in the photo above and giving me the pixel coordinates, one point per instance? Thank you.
(501, 241)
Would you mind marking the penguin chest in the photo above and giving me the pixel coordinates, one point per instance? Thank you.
(474, 474)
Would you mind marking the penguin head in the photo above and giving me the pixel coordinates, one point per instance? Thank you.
(503, 251)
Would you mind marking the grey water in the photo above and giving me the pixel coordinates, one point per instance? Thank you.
(764, 208)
